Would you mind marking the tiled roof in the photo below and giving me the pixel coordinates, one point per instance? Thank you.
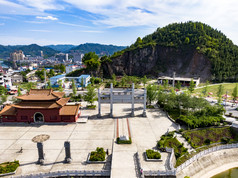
(70, 110)
(37, 105)
(62, 101)
(40, 91)
(8, 110)
(58, 94)
(41, 94)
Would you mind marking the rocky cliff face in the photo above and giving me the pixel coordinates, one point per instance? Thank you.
(158, 60)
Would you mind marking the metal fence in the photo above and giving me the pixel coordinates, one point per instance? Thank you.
(65, 173)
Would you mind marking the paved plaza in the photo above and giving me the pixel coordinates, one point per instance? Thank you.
(86, 137)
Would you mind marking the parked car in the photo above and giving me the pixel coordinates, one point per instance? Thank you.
(12, 92)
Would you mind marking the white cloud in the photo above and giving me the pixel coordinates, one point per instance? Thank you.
(42, 5)
(49, 17)
(126, 13)
(40, 31)
(35, 22)
(219, 14)
(89, 31)
(7, 7)
(71, 24)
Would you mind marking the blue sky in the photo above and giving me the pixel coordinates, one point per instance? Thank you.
(117, 22)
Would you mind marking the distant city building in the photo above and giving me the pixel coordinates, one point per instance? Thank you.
(77, 56)
(17, 78)
(41, 54)
(17, 55)
(1, 70)
(72, 68)
(66, 56)
(61, 57)
(5, 80)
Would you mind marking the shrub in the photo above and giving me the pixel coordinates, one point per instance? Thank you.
(97, 80)
(91, 106)
(225, 140)
(151, 154)
(171, 142)
(9, 167)
(181, 130)
(150, 107)
(207, 141)
(123, 141)
(98, 155)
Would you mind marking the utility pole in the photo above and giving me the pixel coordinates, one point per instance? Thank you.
(45, 77)
(174, 78)
(226, 99)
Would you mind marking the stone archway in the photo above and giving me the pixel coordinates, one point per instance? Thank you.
(38, 117)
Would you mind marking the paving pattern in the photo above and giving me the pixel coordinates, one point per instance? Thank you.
(86, 137)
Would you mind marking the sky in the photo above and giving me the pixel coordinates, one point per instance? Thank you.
(117, 22)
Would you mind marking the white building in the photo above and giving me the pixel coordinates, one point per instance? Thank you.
(182, 80)
(78, 80)
(5, 80)
(72, 68)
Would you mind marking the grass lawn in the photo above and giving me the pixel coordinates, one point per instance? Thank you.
(200, 137)
(227, 87)
(172, 142)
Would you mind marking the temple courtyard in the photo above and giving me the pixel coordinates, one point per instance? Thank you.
(86, 137)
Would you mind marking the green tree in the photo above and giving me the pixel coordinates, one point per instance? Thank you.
(123, 81)
(82, 83)
(178, 85)
(166, 84)
(3, 98)
(3, 90)
(74, 88)
(138, 41)
(114, 79)
(144, 80)
(51, 73)
(186, 41)
(92, 80)
(235, 93)
(90, 96)
(60, 86)
(191, 86)
(19, 91)
(49, 85)
(151, 93)
(220, 92)
(62, 68)
(205, 89)
(91, 60)
(29, 86)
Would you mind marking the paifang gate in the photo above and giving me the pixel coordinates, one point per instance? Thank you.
(117, 95)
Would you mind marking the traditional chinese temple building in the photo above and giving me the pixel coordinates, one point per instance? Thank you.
(41, 106)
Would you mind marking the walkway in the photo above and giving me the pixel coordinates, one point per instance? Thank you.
(181, 139)
(123, 162)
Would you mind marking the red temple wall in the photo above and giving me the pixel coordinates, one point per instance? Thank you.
(50, 115)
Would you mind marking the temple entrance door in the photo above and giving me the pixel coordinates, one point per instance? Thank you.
(38, 117)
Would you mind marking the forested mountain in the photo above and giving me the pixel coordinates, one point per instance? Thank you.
(99, 49)
(33, 50)
(190, 49)
(61, 48)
